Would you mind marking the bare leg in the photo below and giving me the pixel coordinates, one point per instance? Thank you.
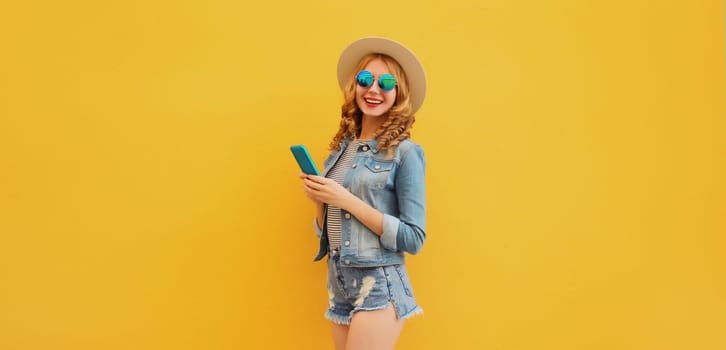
(377, 329)
(340, 335)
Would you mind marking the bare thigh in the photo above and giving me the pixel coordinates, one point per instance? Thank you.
(340, 335)
(378, 329)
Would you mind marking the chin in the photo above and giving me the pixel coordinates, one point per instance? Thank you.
(374, 114)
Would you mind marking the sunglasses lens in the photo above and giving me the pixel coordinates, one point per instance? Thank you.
(387, 82)
(364, 78)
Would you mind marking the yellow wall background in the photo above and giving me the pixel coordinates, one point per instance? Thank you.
(148, 200)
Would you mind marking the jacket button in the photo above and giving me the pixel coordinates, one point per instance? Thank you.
(347, 215)
(365, 148)
(347, 243)
(353, 166)
(377, 166)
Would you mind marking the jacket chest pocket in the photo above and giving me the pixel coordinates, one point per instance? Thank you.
(376, 173)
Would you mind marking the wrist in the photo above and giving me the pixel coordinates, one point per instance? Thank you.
(348, 202)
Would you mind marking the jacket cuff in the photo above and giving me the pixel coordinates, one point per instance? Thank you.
(318, 230)
(390, 232)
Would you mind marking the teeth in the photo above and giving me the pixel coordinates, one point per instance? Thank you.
(373, 101)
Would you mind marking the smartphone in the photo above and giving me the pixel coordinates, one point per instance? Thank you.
(303, 159)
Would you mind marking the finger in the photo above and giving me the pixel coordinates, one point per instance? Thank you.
(308, 191)
(312, 187)
(313, 194)
(318, 179)
(305, 176)
(312, 184)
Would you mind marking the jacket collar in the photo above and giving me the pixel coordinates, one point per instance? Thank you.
(373, 144)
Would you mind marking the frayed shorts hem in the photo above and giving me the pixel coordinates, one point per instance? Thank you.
(345, 320)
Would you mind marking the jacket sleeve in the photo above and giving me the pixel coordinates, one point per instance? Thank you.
(318, 229)
(407, 232)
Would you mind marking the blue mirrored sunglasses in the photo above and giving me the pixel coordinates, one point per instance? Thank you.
(386, 81)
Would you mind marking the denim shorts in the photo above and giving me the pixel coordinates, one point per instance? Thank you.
(353, 289)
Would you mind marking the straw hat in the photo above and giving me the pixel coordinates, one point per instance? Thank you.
(352, 54)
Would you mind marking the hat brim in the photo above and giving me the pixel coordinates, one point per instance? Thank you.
(415, 73)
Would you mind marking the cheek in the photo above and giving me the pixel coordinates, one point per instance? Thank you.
(391, 97)
(359, 92)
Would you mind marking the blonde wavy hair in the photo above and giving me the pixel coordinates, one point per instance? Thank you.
(399, 119)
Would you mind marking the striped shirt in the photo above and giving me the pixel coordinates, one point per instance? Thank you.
(337, 173)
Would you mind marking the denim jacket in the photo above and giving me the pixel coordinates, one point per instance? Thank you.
(394, 185)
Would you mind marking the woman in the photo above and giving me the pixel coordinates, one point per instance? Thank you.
(370, 198)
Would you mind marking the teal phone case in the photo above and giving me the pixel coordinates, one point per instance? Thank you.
(304, 160)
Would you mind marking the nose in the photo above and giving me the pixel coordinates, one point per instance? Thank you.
(374, 87)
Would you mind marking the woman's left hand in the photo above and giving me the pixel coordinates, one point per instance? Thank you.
(325, 190)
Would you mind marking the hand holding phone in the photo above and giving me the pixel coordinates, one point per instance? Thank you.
(304, 160)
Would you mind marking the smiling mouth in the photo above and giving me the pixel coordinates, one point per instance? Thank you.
(372, 101)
